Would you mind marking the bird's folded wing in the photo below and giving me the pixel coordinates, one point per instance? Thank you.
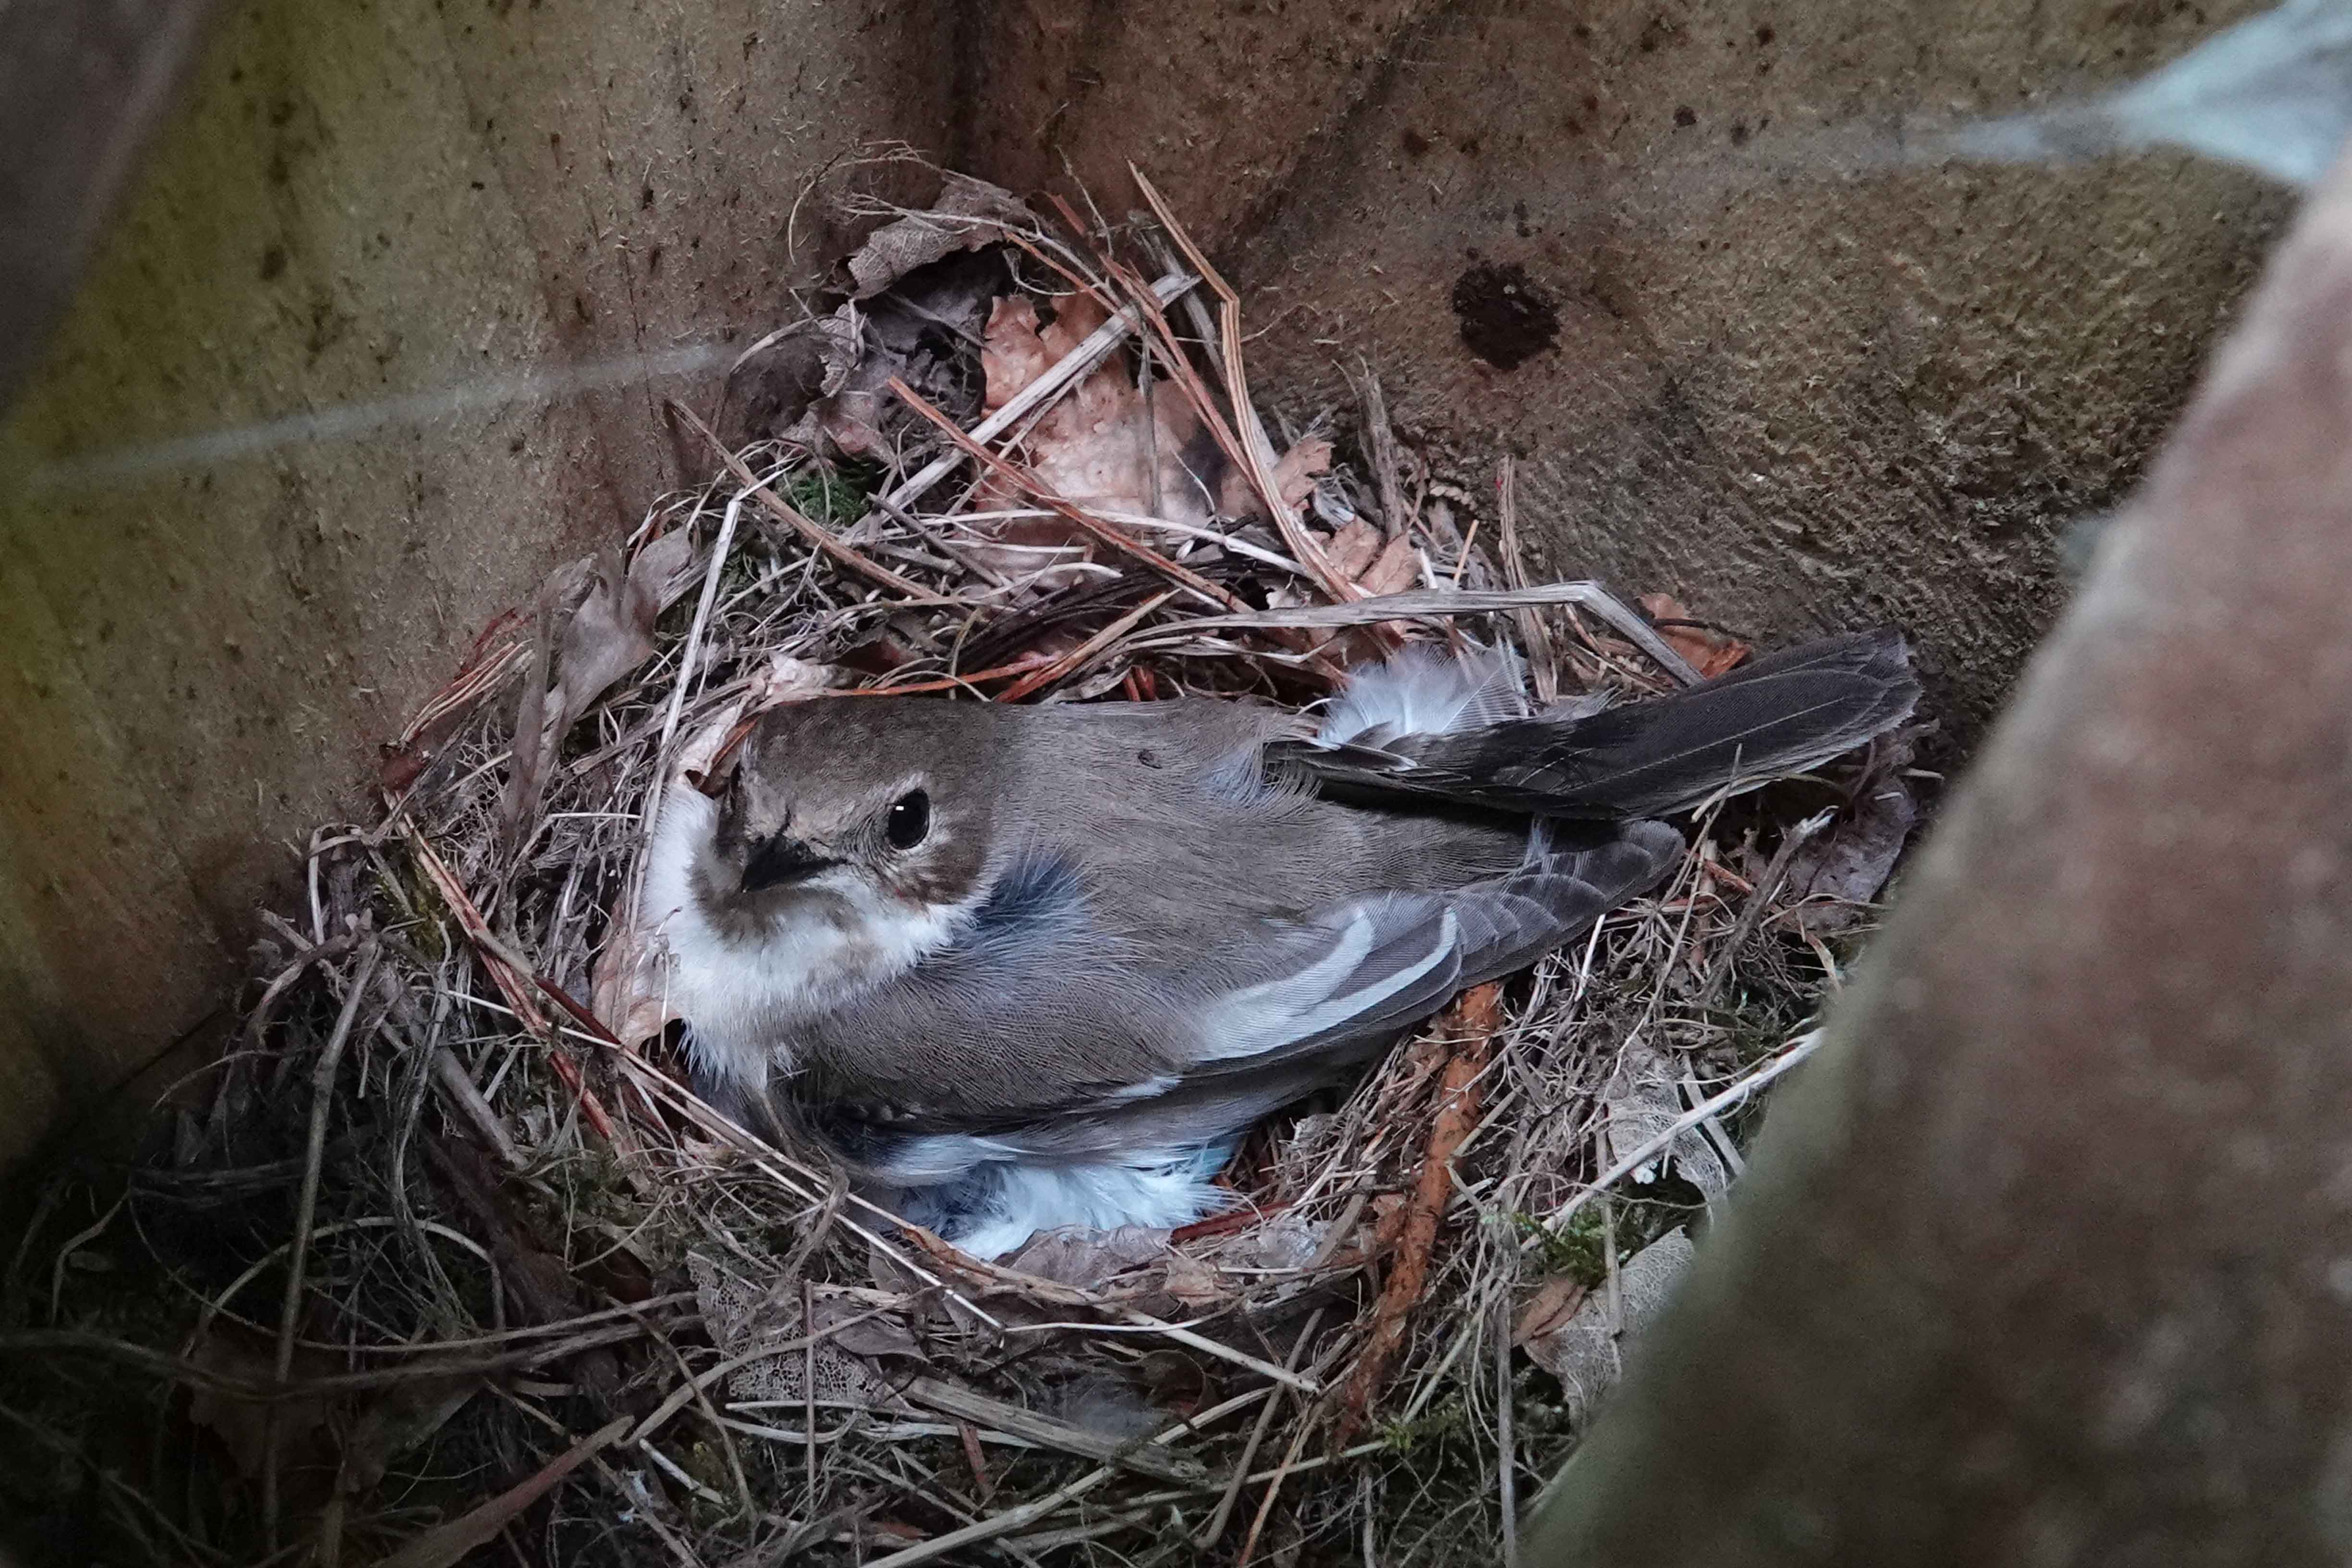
(1316, 998)
(1782, 714)
(1376, 966)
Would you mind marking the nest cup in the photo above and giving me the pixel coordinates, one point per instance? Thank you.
(444, 1247)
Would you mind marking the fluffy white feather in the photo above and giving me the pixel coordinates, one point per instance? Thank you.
(1422, 691)
(1157, 1192)
(986, 1197)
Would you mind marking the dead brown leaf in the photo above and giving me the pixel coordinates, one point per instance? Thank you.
(784, 678)
(243, 1424)
(1584, 1351)
(1175, 1381)
(403, 1416)
(1103, 444)
(1638, 1104)
(1013, 352)
(1398, 568)
(1108, 446)
(1353, 550)
(1193, 1282)
(612, 632)
(625, 989)
(1554, 1302)
(1088, 1258)
(1289, 1241)
(605, 615)
(829, 388)
(1296, 470)
(1711, 652)
(1376, 563)
(744, 1316)
(968, 214)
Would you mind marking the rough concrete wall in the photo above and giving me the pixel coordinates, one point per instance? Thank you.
(359, 202)
(1806, 399)
(1217, 100)
(2048, 1258)
(1764, 363)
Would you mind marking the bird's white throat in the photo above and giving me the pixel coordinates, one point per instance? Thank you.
(745, 998)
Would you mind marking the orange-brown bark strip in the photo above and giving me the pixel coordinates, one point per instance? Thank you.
(1469, 1025)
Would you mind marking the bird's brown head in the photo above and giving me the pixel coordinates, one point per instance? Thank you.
(850, 806)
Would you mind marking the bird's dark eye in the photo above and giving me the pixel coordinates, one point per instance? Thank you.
(909, 820)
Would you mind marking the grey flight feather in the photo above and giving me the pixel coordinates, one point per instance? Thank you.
(1780, 715)
(1046, 1008)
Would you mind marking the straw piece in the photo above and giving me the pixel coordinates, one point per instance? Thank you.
(776, 506)
(1117, 539)
(1092, 350)
(1254, 445)
(1463, 602)
(1078, 658)
(1650, 1148)
(1543, 662)
(479, 1526)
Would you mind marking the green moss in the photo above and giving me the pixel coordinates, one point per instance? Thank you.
(835, 498)
(1578, 1250)
(421, 905)
(1444, 1420)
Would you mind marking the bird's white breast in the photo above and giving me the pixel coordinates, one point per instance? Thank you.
(743, 1000)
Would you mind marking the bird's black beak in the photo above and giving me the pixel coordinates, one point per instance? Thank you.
(782, 860)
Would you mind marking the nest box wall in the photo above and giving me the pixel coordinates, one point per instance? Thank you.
(1600, 237)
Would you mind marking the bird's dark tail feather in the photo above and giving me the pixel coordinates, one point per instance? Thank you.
(1780, 715)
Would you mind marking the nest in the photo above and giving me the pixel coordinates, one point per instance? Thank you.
(442, 1254)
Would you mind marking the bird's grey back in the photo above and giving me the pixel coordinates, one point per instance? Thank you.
(1171, 803)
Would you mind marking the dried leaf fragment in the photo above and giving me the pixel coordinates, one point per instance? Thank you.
(1295, 471)
(1585, 1351)
(243, 1424)
(744, 1318)
(1106, 445)
(1711, 652)
(1398, 568)
(1192, 1282)
(1639, 1104)
(967, 213)
(607, 616)
(1553, 1304)
(1089, 1258)
(626, 988)
(1103, 445)
(1834, 876)
(1354, 548)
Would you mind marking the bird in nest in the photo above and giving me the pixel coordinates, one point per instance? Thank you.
(1028, 967)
